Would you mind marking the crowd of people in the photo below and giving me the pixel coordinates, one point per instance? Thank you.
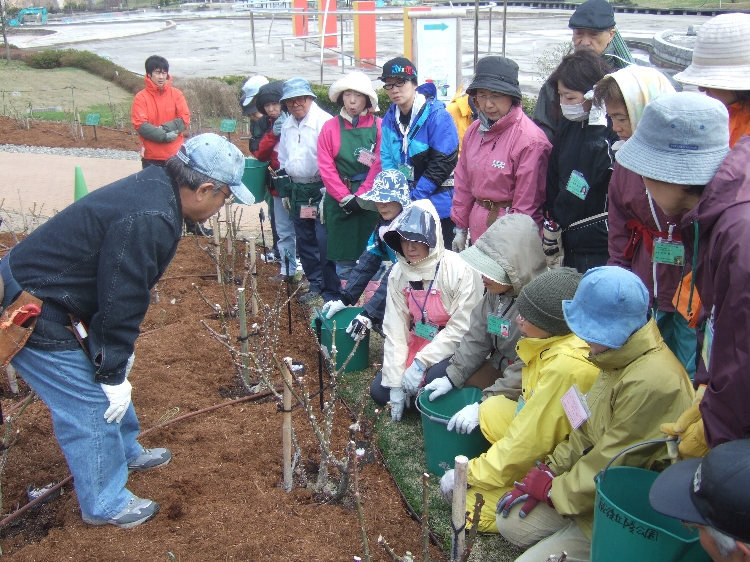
(585, 269)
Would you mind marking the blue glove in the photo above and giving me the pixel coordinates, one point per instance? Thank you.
(278, 123)
(413, 378)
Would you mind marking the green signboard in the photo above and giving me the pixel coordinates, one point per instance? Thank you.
(228, 125)
(93, 119)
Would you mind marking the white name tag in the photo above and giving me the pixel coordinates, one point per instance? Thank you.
(574, 404)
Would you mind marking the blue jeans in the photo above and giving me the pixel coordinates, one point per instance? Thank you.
(97, 452)
(312, 243)
(344, 268)
(287, 243)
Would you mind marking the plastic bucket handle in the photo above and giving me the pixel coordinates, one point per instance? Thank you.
(425, 414)
(600, 475)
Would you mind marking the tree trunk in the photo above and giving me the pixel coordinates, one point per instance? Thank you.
(5, 36)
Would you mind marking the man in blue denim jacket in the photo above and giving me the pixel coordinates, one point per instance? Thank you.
(96, 262)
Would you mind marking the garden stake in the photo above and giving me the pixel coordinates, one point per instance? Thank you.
(318, 333)
(262, 217)
(253, 279)
(286, 431)
(243, 335)
(228, 214)
(288, 294)
(458, 514)
(426, 517)
(357, 496)
(217, 247)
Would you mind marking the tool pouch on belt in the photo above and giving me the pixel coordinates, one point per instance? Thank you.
(12, 336)
(282, 183)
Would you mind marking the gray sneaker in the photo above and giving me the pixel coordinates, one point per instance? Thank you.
(137, 511)
(150, 458)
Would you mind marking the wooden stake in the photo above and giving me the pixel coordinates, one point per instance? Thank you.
(458, 516)
(243, 336)
(286, 431)
(230, 237)
(253, 278)
(217, 245)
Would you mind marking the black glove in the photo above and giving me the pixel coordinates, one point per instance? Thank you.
(350, 205)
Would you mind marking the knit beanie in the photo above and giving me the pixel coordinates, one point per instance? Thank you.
(540, 302)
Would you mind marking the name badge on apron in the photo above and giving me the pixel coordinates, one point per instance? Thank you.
(426, 330)
(498, 326)
(407, 170)
(575, 406)
(668, 252)
(366, 157)
(708, 339)
(308, 211)
(577, 185)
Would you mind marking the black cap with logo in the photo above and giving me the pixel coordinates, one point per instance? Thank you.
(400, 67)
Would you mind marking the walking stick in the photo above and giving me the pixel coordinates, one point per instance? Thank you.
(262, 217)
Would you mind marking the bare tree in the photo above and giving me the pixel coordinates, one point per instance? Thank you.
(4, 25)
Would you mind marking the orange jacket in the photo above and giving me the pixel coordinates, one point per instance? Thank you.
(157, 106)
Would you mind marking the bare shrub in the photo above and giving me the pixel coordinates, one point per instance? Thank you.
(210, 98)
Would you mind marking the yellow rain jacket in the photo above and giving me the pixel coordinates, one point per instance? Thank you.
(460, 110)
(553, 366)
(640, 386)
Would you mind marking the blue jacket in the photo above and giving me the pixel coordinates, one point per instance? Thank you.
(433, 150)
(99, 259)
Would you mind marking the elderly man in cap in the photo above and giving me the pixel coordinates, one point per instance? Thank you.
(593, 25)
(298, 156)
(91, 268)
(712, 495)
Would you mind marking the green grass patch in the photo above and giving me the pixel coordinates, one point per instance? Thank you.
(693, 4)
(107, 117)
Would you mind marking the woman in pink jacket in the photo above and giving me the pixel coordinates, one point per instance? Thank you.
(349, 160)
(503, 163)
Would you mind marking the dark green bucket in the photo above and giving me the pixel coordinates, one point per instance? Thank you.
(440, 445)
(627, 528)
(255, 177)
(344, 342)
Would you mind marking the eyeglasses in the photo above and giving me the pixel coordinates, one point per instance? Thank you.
(160, 72)
(229, 197)
(292, 102)
(396, 84)
(494, 98)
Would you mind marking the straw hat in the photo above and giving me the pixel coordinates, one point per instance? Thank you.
(357, 81)
(721, 57)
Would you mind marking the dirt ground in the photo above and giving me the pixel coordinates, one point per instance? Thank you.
(221, 495)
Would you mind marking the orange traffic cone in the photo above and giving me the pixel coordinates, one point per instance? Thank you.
(80, 185)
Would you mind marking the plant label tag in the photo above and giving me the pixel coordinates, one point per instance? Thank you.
(308, 211)
(708, 339)
(668, 252)
(574, 404)
(407, 170)
(577, 185)
(498, 326)
(366, 157)
(426, 330)
(521, 404)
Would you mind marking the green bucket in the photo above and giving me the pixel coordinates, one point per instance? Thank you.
(440, 445)
(627, 528)
(344, 342)
(255, 177)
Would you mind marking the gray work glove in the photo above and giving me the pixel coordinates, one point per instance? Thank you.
(331, 308)
(466, 420)
(278, 123)
(287, 204)
(398, 400)
(119, 400)
(413, 377)
(172, 135)
(459, 240)
(439, 386)
(446, 485)
(174, 125)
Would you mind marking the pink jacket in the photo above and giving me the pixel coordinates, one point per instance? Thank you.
(506, 163)
(632, 229)
(329, 143)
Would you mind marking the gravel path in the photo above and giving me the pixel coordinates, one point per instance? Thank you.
(107, 153)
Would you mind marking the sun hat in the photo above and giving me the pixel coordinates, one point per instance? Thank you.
(593, 14)
(295, 88)
(217, 158)
(540, 302)
(711, 491)
(400, 67)
(270, 93)
(721, 55)
(681, 138)
(389, 186)
(249, 90)
(496, 74)
(357, 81)
(611, 303)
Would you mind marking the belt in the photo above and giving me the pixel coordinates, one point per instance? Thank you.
(493, 207)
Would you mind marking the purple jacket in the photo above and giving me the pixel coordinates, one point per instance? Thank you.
(722, 274)
(631, 246)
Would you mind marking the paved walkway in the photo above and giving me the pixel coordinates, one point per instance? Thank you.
(43, 184)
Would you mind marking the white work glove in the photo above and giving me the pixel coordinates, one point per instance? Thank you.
(466, 419)
(359, 327)
(287, 204)
(398, 400)
(459, 240)
(119, 400)
(440, 386)
(331, 308)
(446, 485)
(413, 377)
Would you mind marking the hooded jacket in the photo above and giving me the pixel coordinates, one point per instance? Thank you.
(462, 113)
(432, 149)
(157, 106)
(517, 250)
(640, 386)
(721, 278)
(506, 163)
(460, 291)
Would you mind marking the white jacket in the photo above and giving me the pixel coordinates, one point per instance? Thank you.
(460, 289)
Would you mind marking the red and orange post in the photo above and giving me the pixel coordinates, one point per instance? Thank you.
(365, 50)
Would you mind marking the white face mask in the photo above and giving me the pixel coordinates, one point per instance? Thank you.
(574, 112)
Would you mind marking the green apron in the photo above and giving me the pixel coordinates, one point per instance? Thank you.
(348, 234)
(304, 194)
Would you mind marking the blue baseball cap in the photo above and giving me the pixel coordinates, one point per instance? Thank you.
(217, 158)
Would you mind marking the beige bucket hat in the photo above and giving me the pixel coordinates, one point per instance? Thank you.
(357, 81)
(721, 57)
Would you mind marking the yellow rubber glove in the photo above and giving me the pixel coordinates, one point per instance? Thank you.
(689, 429)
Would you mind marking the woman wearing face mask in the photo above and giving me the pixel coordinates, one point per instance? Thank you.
(581, 163)
(431, 293)
(349, 160)
(503, 165)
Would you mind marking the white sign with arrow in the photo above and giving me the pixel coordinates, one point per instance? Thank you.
(436, 50)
